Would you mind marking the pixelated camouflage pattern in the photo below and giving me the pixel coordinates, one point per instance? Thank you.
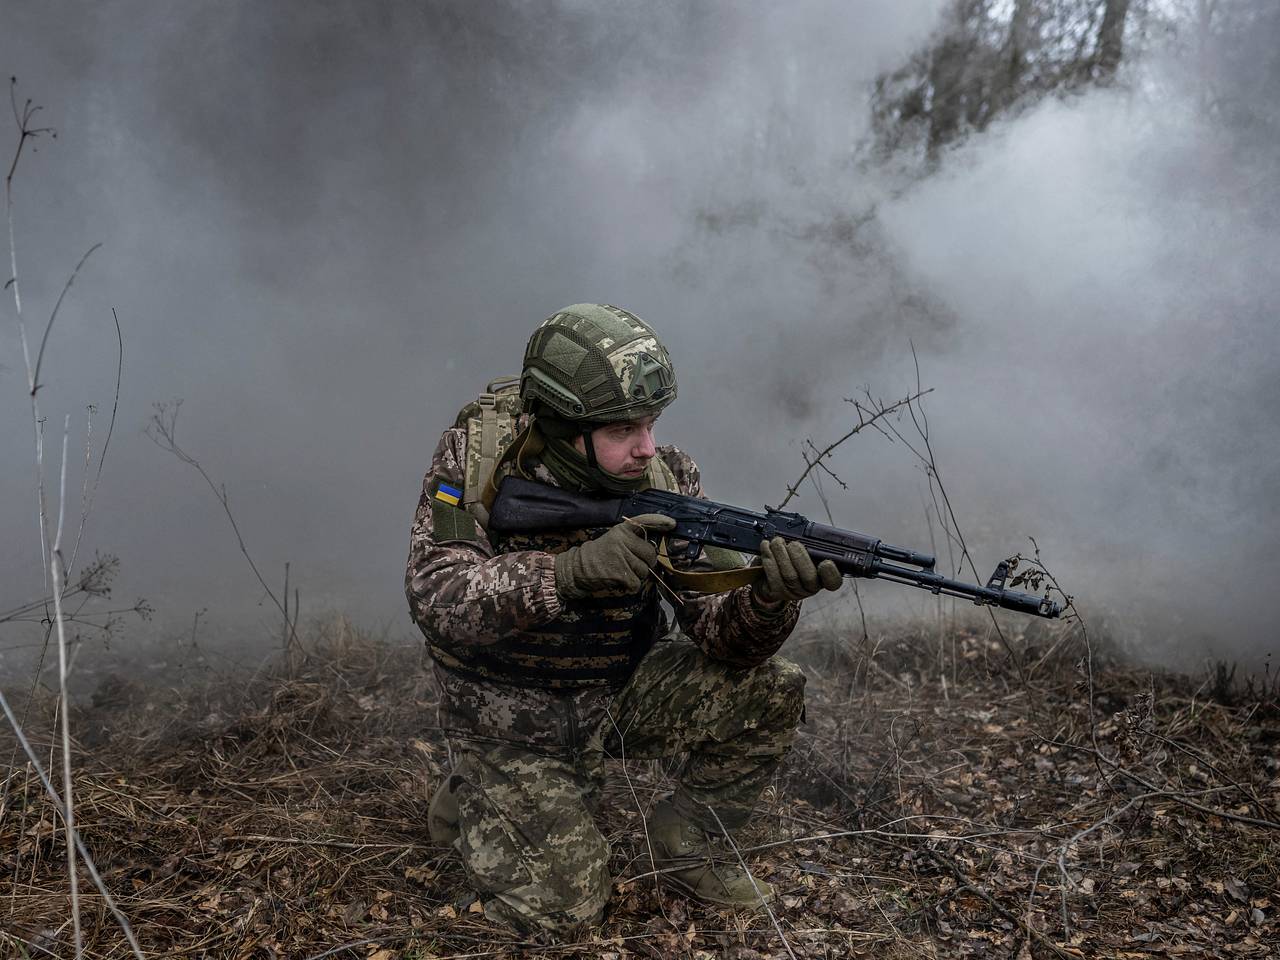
(527, 837)
(597, 362)
(629, 360)
(594, 640)
(506, 394)
(465, 593)
(508, 422)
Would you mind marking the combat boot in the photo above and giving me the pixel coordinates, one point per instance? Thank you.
(442, 815)
(690, 861)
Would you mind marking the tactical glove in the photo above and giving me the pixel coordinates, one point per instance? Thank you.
(616, 563)
(790, 574)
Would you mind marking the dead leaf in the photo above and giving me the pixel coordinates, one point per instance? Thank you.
(355, 911)
(422, 875)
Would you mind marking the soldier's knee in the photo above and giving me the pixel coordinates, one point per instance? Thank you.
(785, 683)
(772, 691)
(555, 907)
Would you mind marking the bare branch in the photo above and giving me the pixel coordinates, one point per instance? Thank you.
(864, 421)
(163, 433)
(53, 315)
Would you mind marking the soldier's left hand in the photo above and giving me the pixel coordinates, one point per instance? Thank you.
(790, 573)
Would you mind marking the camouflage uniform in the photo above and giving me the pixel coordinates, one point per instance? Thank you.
(530, 758)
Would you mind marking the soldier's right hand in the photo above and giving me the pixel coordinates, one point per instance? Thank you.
(616, 563)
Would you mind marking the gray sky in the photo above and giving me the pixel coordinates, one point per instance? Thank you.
(325, 225)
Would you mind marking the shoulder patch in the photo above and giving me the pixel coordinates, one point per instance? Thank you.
(448, 520)
(447, 494)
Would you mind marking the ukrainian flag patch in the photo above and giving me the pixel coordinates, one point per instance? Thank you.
(448, 494)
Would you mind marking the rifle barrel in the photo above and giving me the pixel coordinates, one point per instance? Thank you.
(903, 555)
(937, 584)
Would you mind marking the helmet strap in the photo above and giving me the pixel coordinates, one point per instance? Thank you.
(581, 471)
(589, 448)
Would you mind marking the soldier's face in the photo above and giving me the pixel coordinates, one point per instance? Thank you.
(623, 448)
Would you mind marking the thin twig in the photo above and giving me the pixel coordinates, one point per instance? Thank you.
(755, 886)
(163, 433)
(87, 505)
(71, 832)
(68, 799)
(323, 842)
(944, 860)
(53, 315)
(863, 422)
(930, 463)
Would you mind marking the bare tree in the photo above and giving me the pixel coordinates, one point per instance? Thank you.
(1110, 40)
(989, 58)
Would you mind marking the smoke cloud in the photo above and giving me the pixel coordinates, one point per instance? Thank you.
(326, 225)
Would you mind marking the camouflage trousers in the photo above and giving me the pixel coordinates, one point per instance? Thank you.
(528, 839)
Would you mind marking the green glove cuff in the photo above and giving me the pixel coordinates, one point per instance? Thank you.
(766, 609)
(565, 585)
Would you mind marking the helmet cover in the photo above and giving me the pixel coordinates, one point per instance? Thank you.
(596, 363)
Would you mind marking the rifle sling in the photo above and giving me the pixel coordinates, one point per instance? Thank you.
(711, 581)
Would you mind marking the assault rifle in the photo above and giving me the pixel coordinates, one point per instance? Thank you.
(529, 507)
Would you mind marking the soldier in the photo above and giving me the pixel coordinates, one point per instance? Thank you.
(546, 647)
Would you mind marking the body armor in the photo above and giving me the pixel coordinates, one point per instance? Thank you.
(596, 641)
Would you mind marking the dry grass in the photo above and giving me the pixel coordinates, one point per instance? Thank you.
(918, 816)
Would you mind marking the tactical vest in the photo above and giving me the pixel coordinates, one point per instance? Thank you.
(595, 640)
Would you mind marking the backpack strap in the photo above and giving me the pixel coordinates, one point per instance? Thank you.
(491, 425)
(661, 477)
(482, 434)
(529, 443)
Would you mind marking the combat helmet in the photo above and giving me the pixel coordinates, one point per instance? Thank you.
(593, 363)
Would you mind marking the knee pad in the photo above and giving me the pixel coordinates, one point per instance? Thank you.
(543, 907)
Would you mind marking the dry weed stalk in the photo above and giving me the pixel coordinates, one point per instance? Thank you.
(163, 432)
(54, 568)
(68, 799)
(72, 835)
(1033, 572)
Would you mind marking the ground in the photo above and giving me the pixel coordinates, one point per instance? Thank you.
(956, 791)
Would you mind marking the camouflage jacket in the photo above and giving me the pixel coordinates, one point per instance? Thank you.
(462, 592)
